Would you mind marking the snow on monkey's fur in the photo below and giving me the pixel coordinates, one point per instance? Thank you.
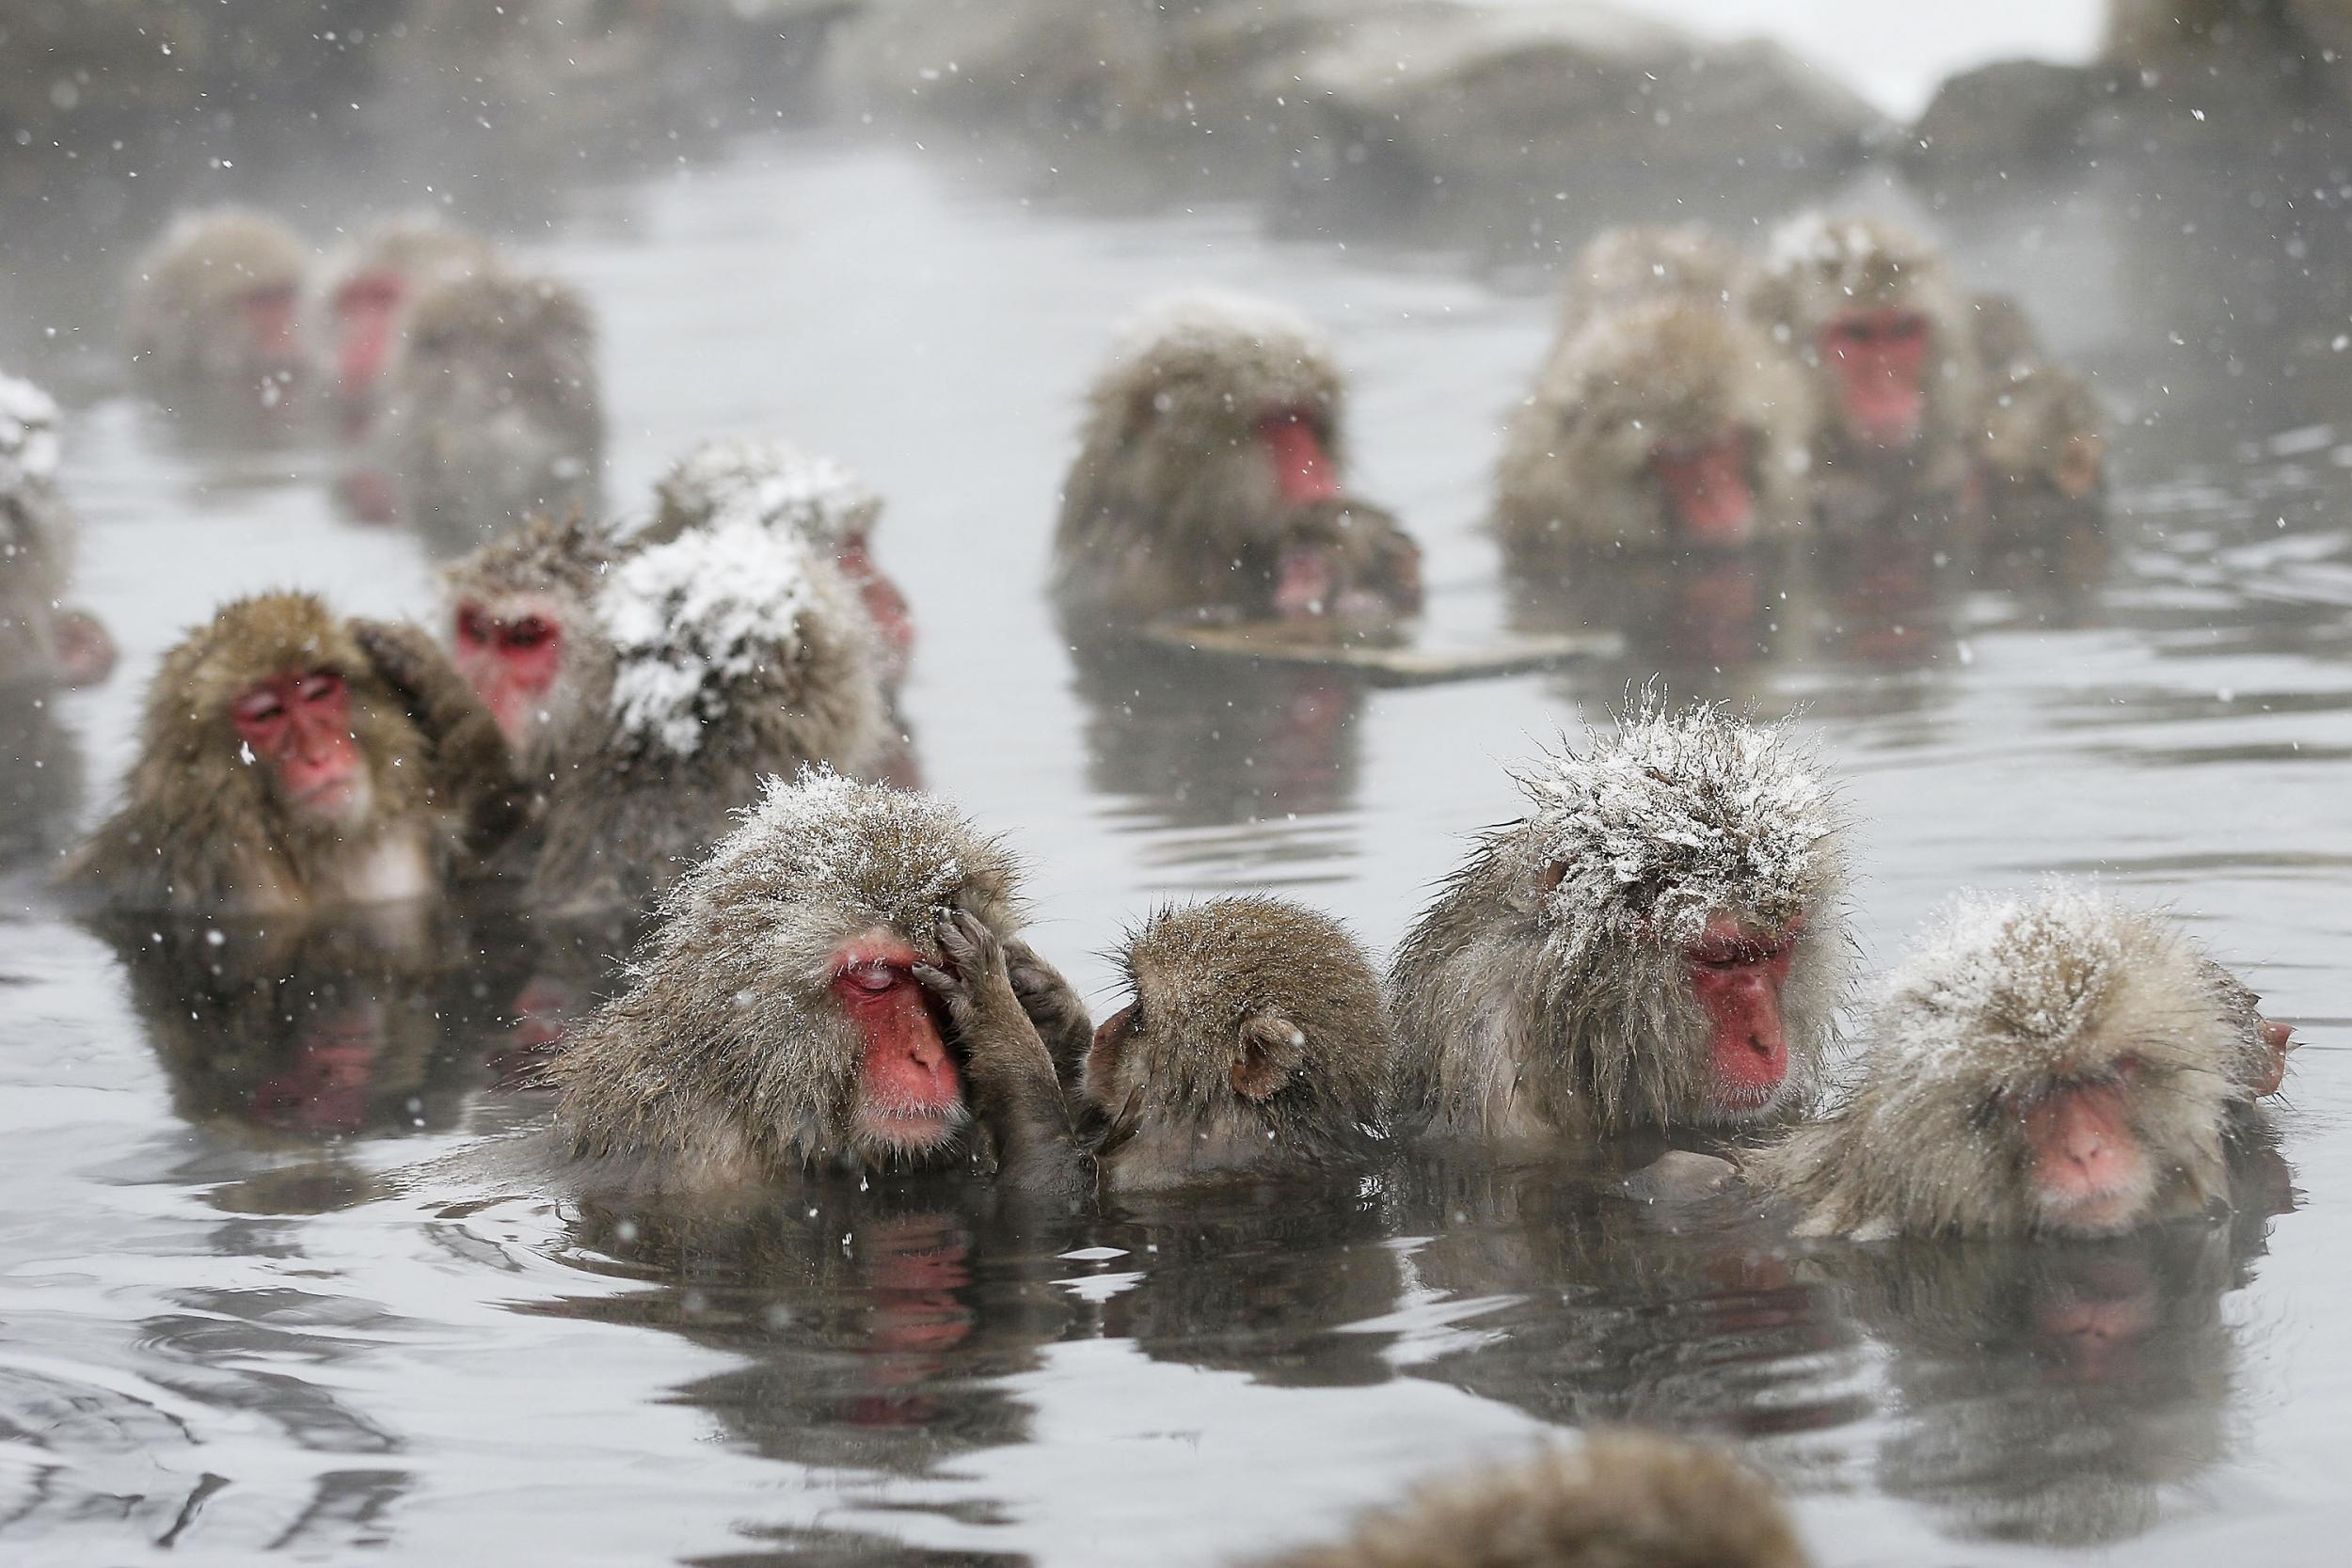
(1548, 988)
(772, 483)
(724, 1058)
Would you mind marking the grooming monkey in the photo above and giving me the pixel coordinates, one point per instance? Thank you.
(291, 762)
(1660, 942)
(2064, 1065)
(1257, 1040)
(1211, 482)
(782, 1018)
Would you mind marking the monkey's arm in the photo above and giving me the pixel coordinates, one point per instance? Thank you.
(1056, 1008)
(1015, 1090)
(472, 769)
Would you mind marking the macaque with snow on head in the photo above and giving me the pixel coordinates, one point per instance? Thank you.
(492, 411)
(1211, 482)
(1870, 309)
(213, 303)
(291, 762)
(830, 989)
(370, 290)
(2064, 1065)
(1256, 1041)
(779, 485)
(1620, 1499)
(2040, 437)
(1664, 421)
(1659, 943)
(41, 642)
(650, 689)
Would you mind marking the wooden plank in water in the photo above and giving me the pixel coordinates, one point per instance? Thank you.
(1402, 664)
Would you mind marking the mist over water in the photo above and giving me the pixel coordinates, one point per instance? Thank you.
(276, 1275)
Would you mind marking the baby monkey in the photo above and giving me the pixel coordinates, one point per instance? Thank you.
(1257, 1040)
(1619, 1499)
(2061, 1065)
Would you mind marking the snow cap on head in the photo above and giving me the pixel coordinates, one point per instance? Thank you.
(689, 618)
(28, 436)
(774, 483)
(1677, 818)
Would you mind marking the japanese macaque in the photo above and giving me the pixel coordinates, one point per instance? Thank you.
(1210, 481)
(369, 291)
(830, 989)
(778, 485)
(1662, 420)
(1257, 1040)
(290, 761)
(2041, 434)
(1892, 350)
(40, 640)
(492, 411)
(214, 302)
(649, 690)
(1660, 943)
(2061, 1065)
(1619, 1498)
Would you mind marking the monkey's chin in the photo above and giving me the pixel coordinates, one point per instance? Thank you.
(910, 1131)
(341, 803)
(1730, 1105)
(2106, 1211)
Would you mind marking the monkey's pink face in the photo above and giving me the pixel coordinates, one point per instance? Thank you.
(1737, 972)
(2090, 1166)
(367, 316)
(511, 660)
(297, 725)
(1879, 358)
(910, 1092)
(1707, 487)
(1303, 470)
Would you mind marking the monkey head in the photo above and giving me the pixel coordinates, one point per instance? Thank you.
(773, 1020)
(524, 634)
(502, 336)
(1256, 1033)
(1634, 262)
(1669, 423)
(367, 292)
(2060, 1065)
(1869, 305)
(219, 295)
(783, 487)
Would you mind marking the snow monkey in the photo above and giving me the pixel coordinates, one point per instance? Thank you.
(2040, 434)
(813, 496)
(1257, 1039)
(370, 288)
(493, 412)
(787, 1013)
(1869, 307)
(215, 300)
(1660, 942)
(1211, 481)
(2060, 1064)
(1663, 418)
(1618, 1498)
(650, 689)
(40, 641)
(290, 761)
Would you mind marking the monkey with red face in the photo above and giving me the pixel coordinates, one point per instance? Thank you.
(290, 761)
(365, 299)
(2062, 1066)
(830, 989)
(215, 303)
(1659, 943)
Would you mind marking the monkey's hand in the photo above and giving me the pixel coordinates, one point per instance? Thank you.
(1055, 1006)
(1014, 1091)
(471, 771)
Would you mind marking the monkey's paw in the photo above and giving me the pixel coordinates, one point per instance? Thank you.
(974, 959)
(403, 654)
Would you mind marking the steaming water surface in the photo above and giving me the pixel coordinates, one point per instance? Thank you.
(222, 1331)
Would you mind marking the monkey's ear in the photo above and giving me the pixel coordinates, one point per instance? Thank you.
(1269, 1050)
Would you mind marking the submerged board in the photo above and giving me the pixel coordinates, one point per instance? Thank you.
(1401, 664)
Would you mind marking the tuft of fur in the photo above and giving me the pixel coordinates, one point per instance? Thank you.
(1172, 504)
(1618, 1500)
(199, 829)
(725, 1060)
(1257, 1037)
(1546, 989)
(772, 483)
(493, 411)
(182, 312)
(2006, 1000)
